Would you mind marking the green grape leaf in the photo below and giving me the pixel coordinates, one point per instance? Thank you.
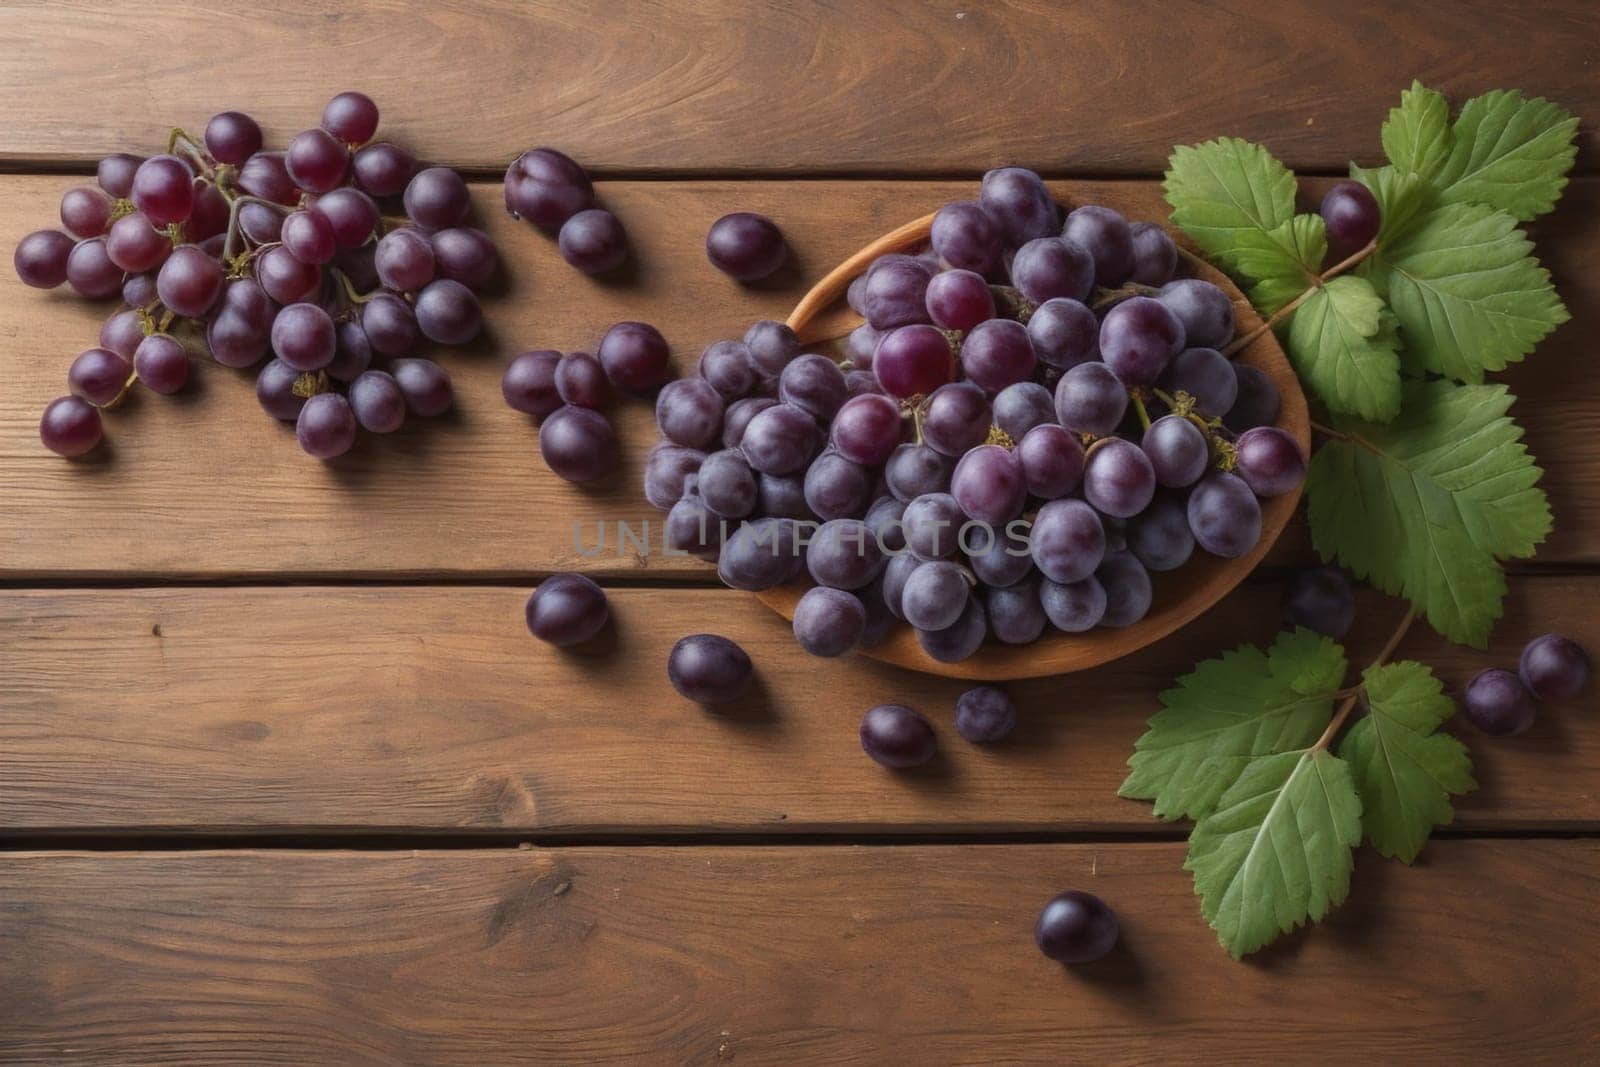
(1417, 137)
(1224, 188)
(1508, 152)
(1425, 506)
(1404, 772)
(1342, 343)
(1284, 261)
(1468, 295)
(1276, 852)
(1226, 712)
(1401, 197)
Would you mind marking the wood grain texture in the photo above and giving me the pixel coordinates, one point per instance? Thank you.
(205, 485)
(857, 86)
(777, 955)
(433, 710)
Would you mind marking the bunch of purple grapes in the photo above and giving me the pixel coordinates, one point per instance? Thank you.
(296, 257)
(1034, 418)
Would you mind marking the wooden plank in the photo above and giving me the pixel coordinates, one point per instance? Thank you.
(777, 955)
(730, 86)
(205, 485)
(432, 710)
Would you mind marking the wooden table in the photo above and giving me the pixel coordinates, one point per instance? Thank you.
(284, 779)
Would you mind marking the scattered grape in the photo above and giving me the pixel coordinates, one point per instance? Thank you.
(1076, 927)
(745, 246)
(1554, 667)
(709, 669)
(1497, 703)
(567, 609)
(897, 737)
(594, 241)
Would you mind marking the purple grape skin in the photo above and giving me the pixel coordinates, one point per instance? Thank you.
(163, 190)
(932, 524)
(635, 357)
(309, 238)
(1051, 458)
(286, 279)
(317, 161)
(985, 714)
(378, 403)
(351, 213)
(1074, 607)
(41, 258)
(547, 188)
(896, 293)
(1048, 268)
(1127, 587)
(1105, 235)
(581, 381)
(1269, 461)
(1257, 403)
(1000, 560)
(880, 623)
(98, 376)
(738, 416)
(1155, 257)
(122, 333)
(837, 488)
(727, 484)
(709, 669)
(956, 300)
(448, 312)
(814, 384)
(1076, 927)
(1118, 478)
(1064, 333)
(997, 353)
(1020, 205)
(115, 173)
(136, 246)
(772, 346)
(966, 238)
(70, 426)
(956, 418)
(403, 258)
(692, 528)
(1554, 667)
(161, 363)
(1207, 376)
(1138, 338)
(1497, 703)
(897, 737)
(91, 273)
(85, 211)
(262, 223)
(1224, 515)
(959, 642)
(303, 336)
(436, 198)
(1090, 399)
(1159, 537)
(352, 353)
(829, 622)
(275, 391)
(899, 570)
(326, 427)
(1067, 541)
(351, 116)
(863, 344)
(783, 497)
(567, 610)
(844, 555)
(867, 429)
(914, 470)
(1020, 407)
(1205, 312)
(578, 444)
(885, 521)
(689, 412)
(781, 439)
(1352, 218)
(1320, 599)
(425, 384)
(913, 360)
(745, 246)
(390, 324)
(465, 254)
(232, 137)
(383, 169)
(593, 241)
(1177, 449)
(726, 366)
(139, 290)
(266, 176)
(989, 486)
(760, 554)
(933, 596)
(667, 469)
(1015, 615)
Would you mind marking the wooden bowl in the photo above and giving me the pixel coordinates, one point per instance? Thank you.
(1179, 596)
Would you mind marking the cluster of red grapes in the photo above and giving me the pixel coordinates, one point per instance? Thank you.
(298, 255)
(1033, 418)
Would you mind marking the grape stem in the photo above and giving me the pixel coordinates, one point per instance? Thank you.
(349, 288)
(1354, 694)
(191, 148)
(1138, 406)
(234, 204)
(1317, 282)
